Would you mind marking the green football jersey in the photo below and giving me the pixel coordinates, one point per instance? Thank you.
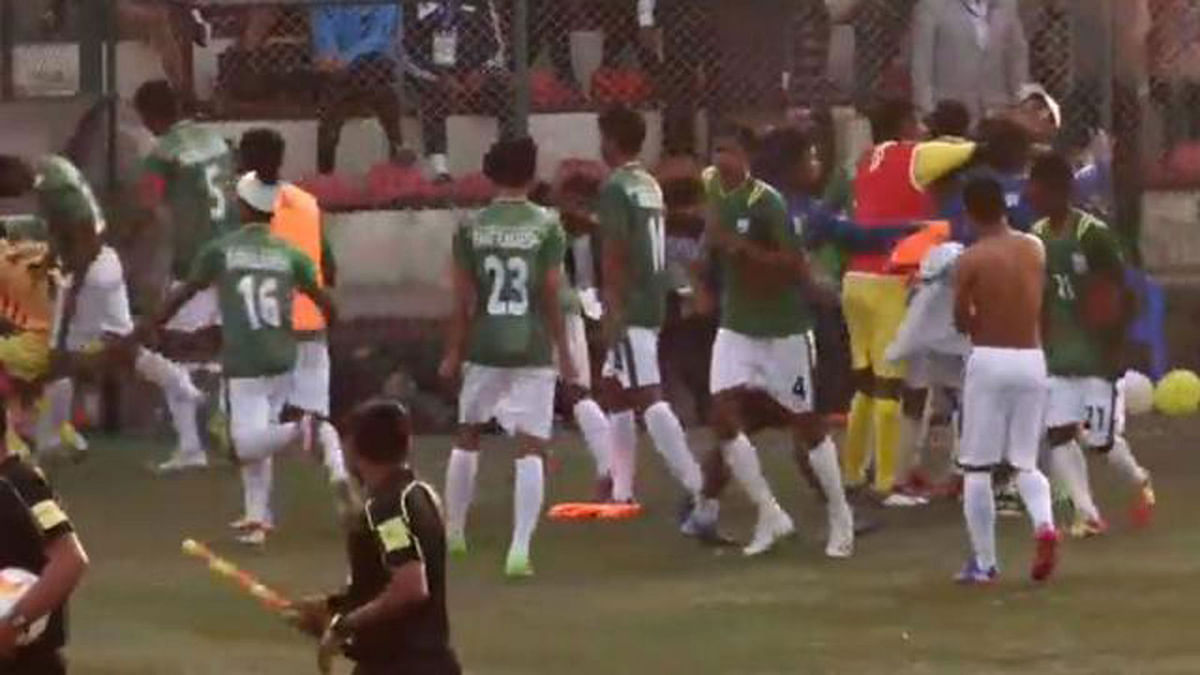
(630, 209)
(508, 248)
(756, 211)
(1073, 349)
(63, 194)
(195, 169)
(255, 274)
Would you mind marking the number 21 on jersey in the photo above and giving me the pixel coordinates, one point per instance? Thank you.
(260, 298)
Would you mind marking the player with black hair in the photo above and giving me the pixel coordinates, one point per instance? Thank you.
(392, 617)
(186, 189)
(632, 227)
(506, 325)
(764, 345)
(1085, 317)
(998, 296)
(37, 536)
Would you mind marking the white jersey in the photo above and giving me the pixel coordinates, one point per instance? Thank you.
(103, 304)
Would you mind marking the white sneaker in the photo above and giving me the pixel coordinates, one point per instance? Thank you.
(256, 537)
(901, 501)
(841, 536)
(772, 526)
(245, 524)
(182, 461)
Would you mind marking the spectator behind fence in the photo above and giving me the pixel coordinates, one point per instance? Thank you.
(972, 51)
(455, 58)
(353, 46)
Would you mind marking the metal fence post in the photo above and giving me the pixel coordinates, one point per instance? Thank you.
(7, 47)
(111, 92)
(94, 20)
(521, 85)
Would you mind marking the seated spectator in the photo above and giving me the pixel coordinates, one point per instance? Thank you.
(353, 46)
(455, 59)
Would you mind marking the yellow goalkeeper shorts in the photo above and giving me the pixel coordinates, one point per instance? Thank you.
(25, 355)
(874, 305)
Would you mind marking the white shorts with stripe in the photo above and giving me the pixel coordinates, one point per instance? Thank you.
(1091, 403)
(521, 400)
(633, 360)
(781, 367)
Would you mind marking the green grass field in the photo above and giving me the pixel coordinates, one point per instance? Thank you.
(635, 597)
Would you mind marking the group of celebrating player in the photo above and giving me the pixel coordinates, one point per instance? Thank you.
(250, 264)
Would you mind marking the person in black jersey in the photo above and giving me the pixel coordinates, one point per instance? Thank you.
(35, 535)
(392, 618)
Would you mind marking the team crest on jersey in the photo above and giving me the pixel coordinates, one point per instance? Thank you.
(1079, 263)
(743, 225)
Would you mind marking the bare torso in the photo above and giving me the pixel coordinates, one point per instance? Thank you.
(998, 291)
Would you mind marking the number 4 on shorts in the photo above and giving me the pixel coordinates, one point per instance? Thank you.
(800, 388)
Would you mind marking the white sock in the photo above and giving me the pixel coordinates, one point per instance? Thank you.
(824, 462)
(1121, 458)
(331, 446)
(55, 413)
(597, 433)
(256, 490)
(624, 453)
(1035, 492)
(187, 426)
(907, 449)
(1070, 468)
(460, 489)
(172, 378)
(529, 492)
(979, 508)
(742, 459)
(670, 441)
(265, 442)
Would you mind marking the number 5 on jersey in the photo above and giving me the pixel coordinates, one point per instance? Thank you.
(261, 301)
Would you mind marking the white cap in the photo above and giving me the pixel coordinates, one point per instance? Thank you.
(1032, 89)
(256, 193)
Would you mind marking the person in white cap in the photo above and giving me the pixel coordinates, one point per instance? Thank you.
(256, 274)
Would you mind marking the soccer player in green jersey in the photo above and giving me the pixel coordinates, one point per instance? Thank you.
(256, 274)
(187, 184)
(633, 251)
(1085, 407)
(764, 344)
(506, 325)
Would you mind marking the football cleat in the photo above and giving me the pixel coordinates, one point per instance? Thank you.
(1143, 507)
(841, 536)
(255, 535)
(1046, 555)
(518, 566)
(1086, 528)
(603, 492)
(973, 575)
(182, 461)
(899, 500)
(772, 526)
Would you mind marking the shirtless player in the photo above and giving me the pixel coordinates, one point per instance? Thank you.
(998, 302)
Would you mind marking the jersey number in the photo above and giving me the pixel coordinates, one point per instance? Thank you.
(216, 196)
(1094, 418)
(260, 299)
(510, 286)
(1062, 283)
(658, 242)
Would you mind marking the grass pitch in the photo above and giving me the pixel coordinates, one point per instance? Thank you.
(635, 597)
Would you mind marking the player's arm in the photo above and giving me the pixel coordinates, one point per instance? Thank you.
(615, 220)
(553, 252)
(829, 227)
(329, 267)
(304, 271)
(1103, 252)
(208, 266)
(934, 160)
(66, 561)
(789, 257)
(463, 300)
(964, 302)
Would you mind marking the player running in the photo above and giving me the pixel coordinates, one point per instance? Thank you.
(998, 302)
(187, 183)
(256, 275)
(1083, 257)
(764, 344)
(633, 244)
(507, 322)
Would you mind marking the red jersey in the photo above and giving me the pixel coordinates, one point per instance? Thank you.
(886, 192)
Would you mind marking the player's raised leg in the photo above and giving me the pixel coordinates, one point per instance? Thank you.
(1065, 417)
